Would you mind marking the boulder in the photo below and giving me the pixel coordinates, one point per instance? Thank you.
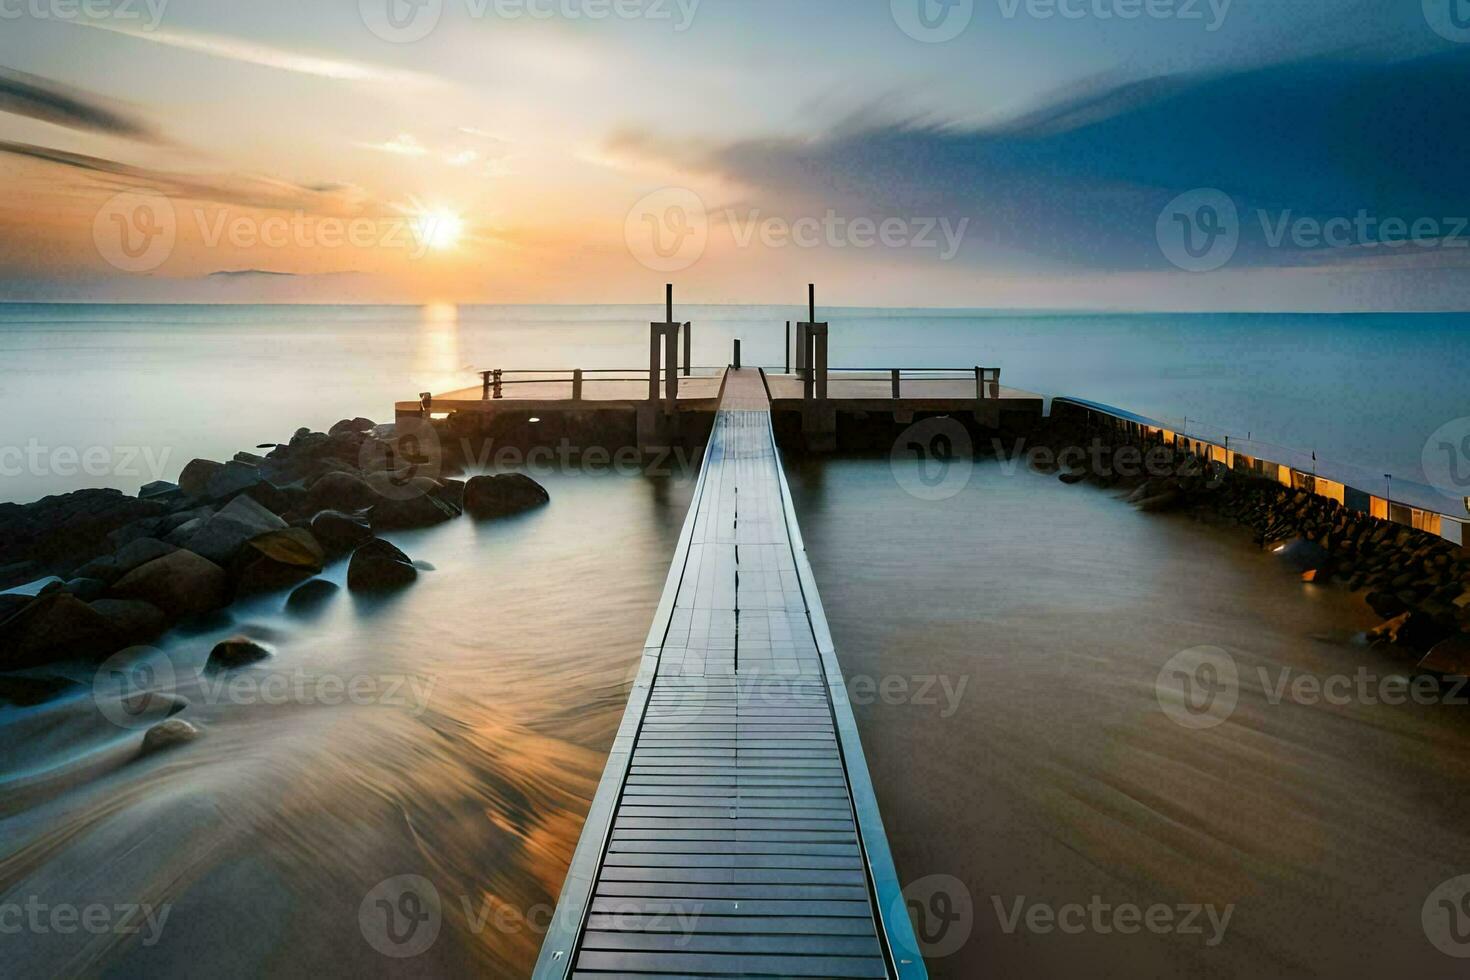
(85, 589)
(168, 734)
(172, 522)
(237, 651)
(56, 534)
(278, 500)
(358, 424)
(451, 492)
(251, 458)
(180, 535)
(425, 510)
(181, 583)
(339, 533)
(378, 566)
(1070, 477)
(10, 604)
(224, 534)
(499, 496)
(341, 491)
(1386, 604)
(159, 490)
(194, 480)
(312, 595)
(279, 559)
(232, 479)
(55, 627)
(19, 573)
(1302, 555)
(132, 620)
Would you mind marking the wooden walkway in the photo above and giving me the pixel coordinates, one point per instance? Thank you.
(735, 832)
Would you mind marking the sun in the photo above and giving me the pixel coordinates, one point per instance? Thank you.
(439, 230)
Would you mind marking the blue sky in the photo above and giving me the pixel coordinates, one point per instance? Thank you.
(1051, 153)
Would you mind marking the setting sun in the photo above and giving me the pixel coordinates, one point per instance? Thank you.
(438, 230)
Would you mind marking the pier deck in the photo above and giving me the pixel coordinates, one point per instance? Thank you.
(735, 831)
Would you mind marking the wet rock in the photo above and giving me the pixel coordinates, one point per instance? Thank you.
(352, 425)
(11, 604)
(55, 627)
(279, 559)
(500, 496)
(451, 491)
(159, 490)
(278, 500)
(56, 534)
(424, 510)
(224, 534)
(1166, 500)
(1070, 477)
(233, 478)
(85, 589)
(1386, 604)
(172, 522)
(180, 535)
(132, 620)
(341, 491)
(181, 583)
(237, 651)
(312, 595)
(378, 566)
(250, 458)
(1302, 555)
(19, 573)
(169, 734)
(339, 533)
(194, 480)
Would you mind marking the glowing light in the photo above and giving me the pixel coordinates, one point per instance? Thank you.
(438, 230)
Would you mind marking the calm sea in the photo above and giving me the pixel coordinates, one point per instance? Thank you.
(118, 395)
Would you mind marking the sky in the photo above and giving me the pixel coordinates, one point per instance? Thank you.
(1051, 154)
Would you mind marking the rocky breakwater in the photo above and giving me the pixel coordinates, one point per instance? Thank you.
(1417, 582)
(129, 568)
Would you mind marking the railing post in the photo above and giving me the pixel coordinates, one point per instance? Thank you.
(495, 377)
(788, 346)
(821, 366)
(979, 384)
(655, 353)
(485, 388)
(995, 383)
(895, 384)
(686, 349)
(426, 399)
(736, 361)
(577, 385)
(671, 360)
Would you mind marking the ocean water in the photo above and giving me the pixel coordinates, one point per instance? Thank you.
(118, 395)
(1025, 623)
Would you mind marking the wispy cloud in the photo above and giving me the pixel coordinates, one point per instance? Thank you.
(263, 55)
(39, 98)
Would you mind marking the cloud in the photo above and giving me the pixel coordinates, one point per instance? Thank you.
(1083, 180)
(237, 189)
(262, 55)
(39, 98)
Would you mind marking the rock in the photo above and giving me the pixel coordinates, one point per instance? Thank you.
(224, 534)
(312, 595)
(194, 480)
(277, 500)
(181, 583)
(279, 559)
(250, 458)
(232, 479)
(352, 425)
(180, 535)
(168, 734)
(1451, 656)
(393, 513)
(10, 604)
(341, 491)
(159, 489)
(85, 589)
(148, 527)
(339, 533)
(26, 692)
(132, 620)
(451, 492)
(55, 627)
(1166, 500)
(140, 552)
(377, 566)
(1301, 555)
(56, 534)
(179, 518)
(237, 651)
(499, 496)
(1386, 604)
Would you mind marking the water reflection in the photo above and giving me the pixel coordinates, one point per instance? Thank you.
(437, 363)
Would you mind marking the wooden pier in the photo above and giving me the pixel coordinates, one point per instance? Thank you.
(735, 831)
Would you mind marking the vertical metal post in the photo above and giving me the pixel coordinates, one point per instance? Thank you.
(895, 384)
(788, 347)
(736, 361)
(577, 385)
(802, 349)
(668, 302)
(671, 360)
(655, 337)
(811, 302)
(485, 390)
(686, 350)
(979, 384)
(495, 384)
(822, 362)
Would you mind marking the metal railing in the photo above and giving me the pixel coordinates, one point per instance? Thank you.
(987, 380)
(494, 382)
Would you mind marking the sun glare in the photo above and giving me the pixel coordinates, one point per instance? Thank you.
(439, 230)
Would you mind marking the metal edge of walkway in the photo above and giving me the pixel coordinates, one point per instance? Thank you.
(900, 947)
